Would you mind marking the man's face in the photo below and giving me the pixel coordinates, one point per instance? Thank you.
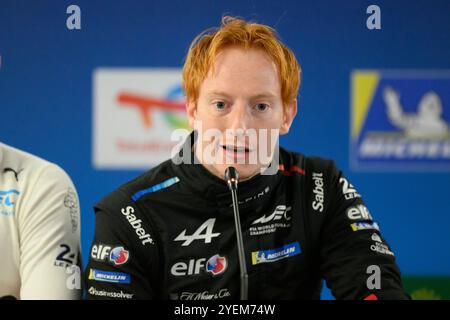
(237, 100)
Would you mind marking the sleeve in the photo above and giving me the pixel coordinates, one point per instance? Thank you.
(356, 261)
(123, 258)
(50, 238)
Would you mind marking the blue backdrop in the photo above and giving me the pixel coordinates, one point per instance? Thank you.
(46, 90)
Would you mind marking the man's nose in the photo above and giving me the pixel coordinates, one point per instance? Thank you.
(239, 118)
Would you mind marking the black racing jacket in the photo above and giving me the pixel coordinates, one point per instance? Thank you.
(170, 234)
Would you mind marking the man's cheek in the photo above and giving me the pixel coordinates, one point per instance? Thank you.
(208, 152)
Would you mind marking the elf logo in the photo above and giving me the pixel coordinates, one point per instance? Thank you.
(359, 212)
(114, 255)
(215, 265)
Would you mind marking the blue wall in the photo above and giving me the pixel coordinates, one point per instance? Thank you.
(46, 90)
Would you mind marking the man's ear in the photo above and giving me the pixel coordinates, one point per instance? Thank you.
(191, 111)
(289, 114)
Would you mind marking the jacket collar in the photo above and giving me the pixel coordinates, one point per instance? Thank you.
(213, 189)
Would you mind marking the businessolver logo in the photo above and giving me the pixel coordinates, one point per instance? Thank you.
(400, 120)
(135, 112)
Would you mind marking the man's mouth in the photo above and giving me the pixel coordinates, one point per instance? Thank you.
(236, 152)
(236, 149)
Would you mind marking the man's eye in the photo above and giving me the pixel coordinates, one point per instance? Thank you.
(219, 105)
(262, 107)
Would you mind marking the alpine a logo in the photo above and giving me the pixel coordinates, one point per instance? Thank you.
(204, 232)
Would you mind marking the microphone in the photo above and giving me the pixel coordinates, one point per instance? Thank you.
(232, 179)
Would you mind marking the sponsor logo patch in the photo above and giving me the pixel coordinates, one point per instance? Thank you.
(272, 255)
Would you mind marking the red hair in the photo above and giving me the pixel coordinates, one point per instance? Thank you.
(243, 34)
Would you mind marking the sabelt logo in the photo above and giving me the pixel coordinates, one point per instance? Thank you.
(136, 225)
(319, 193)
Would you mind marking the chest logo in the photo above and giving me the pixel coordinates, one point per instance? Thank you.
(204, 232)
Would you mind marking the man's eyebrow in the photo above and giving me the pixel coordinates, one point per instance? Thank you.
(259, 95)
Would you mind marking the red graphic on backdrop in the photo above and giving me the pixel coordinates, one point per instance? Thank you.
(145, 104)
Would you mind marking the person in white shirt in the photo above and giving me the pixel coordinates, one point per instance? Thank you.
(39, 229)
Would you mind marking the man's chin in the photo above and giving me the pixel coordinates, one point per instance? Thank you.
(245, 171)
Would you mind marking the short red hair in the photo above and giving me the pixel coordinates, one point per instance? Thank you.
(240, 33)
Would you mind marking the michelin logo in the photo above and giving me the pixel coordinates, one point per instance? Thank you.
(365, 226)
(400, 120)
(267, 256)
(426, 123)
(109, 276)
